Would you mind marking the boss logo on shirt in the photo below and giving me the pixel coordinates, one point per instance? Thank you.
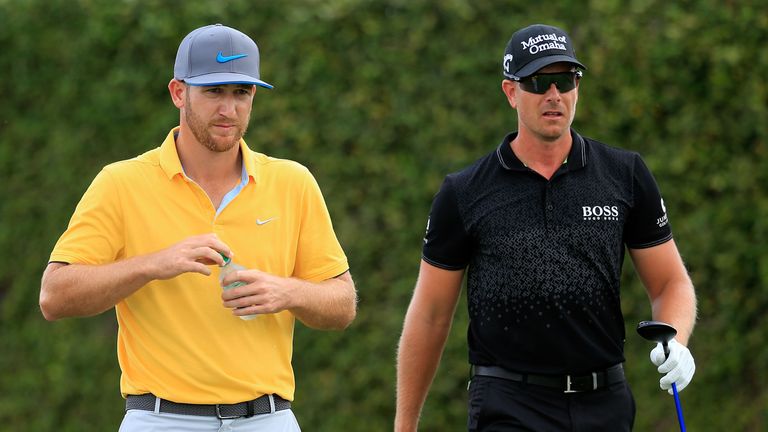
(600, 212)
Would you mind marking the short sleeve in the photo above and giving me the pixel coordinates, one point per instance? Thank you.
(95, 231)
(446, 243)
(319, 256)
(648, 223)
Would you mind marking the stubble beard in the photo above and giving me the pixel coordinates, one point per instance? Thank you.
(200, 130)
(548, 134)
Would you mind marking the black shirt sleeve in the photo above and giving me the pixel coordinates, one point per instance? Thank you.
(446, 243)
(647, 224)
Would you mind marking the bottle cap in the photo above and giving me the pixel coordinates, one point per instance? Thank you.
(226, 259)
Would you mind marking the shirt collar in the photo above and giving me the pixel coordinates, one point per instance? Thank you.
(577, 157)
(169, 158)
(171, 165)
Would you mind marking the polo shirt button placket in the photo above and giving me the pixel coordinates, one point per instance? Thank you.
(548, 200)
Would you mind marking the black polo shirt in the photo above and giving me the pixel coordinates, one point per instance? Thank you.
(544, 257)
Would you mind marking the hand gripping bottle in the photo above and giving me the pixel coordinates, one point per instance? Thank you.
(230, 267)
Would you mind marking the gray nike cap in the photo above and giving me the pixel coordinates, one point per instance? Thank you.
(218, 54)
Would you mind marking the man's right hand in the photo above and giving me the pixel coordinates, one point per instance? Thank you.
(193, 254)
(69, 290)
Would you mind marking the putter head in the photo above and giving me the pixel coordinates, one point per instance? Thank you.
(656, 331)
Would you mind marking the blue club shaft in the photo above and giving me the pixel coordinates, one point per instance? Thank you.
(679, 408)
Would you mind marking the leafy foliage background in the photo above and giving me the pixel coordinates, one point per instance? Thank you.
(381, 99)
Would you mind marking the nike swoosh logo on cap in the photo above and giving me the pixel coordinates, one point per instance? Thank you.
(221, 58)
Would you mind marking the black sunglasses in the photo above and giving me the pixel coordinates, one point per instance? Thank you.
(540, 83)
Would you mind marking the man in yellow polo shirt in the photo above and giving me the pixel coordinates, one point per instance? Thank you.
(148, 233)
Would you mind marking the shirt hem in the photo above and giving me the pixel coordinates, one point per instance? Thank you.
(650, 244)
(441, 265)
(331, 272)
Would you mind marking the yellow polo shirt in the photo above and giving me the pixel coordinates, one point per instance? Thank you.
(175, 339)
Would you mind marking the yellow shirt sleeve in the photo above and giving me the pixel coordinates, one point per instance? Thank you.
(95, 231)
(319, 255)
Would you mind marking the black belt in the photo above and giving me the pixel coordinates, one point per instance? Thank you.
(257, 406)
(566, 383)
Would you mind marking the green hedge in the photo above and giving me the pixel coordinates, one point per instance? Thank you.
(381, 99)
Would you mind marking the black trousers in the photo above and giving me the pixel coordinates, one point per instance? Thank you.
(497, 405)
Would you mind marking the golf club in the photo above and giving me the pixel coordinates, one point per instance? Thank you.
(660, 332)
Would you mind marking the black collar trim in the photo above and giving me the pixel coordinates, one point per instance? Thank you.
(577, 157)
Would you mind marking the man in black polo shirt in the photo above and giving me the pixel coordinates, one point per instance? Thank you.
(540, 225)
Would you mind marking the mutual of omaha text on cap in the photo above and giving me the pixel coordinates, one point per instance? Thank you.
(535, 47)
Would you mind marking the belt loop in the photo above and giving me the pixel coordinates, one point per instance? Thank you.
(594, 380)
(471, 375)
(271, 404)
(249, 408)
(157, 405)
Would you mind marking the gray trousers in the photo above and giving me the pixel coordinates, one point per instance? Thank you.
(148, 421)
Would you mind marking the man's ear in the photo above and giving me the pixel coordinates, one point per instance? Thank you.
(510, 91)
(178, 92)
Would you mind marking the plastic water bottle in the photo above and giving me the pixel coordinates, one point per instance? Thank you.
(231, 267)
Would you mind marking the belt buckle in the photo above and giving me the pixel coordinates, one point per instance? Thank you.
(568, 384)
(223, 417)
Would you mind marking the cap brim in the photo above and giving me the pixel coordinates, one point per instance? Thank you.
(225, 78)
(542, 62)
